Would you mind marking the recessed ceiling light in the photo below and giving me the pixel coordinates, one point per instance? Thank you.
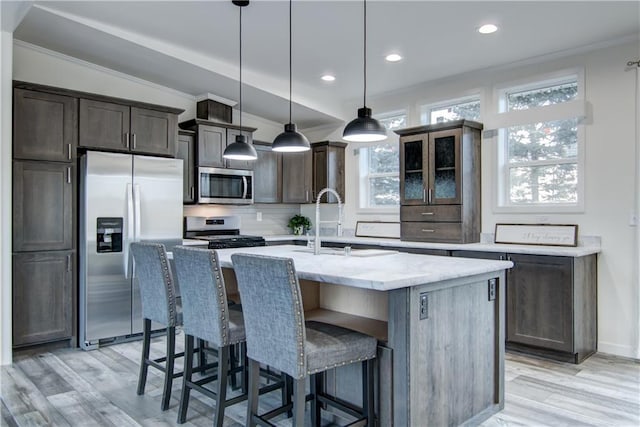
(393, 57)
(487, 29)
(328, 78)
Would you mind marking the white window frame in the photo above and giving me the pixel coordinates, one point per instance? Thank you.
(425, 109)
(504, 119)
(362, 160)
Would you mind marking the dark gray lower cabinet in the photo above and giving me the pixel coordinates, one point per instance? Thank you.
(42, 206)
(551, 304)
(42, 297)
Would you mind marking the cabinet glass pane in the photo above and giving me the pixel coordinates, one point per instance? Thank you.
(444, 163)
(413, 175)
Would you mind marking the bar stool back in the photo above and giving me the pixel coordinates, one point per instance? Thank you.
(206, 317)
(277, 335)
(158, 296)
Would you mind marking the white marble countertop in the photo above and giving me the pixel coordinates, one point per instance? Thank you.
(370, 269)
(483, 247)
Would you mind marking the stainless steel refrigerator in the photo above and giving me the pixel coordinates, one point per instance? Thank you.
(124, 198)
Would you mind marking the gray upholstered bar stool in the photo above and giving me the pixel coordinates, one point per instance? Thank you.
(278, 335)
(206, 317)
(158, 296)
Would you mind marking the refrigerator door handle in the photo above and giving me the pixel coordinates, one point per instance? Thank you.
(136, 210)
(129, 230)
(245, 186)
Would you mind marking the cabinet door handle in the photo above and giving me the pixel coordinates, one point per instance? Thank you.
(424, 195)
(126, 139)
(134, 140)
(192, 192)
(427, 213)
(306, 196)
(428, 230)
(69, 151)
(429, 196)
(69, 262)
(68, 174)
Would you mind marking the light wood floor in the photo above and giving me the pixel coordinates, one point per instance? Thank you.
(97, 388)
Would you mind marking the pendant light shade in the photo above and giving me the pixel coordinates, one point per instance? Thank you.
(240, 149)
(290, 141)
(364, 128)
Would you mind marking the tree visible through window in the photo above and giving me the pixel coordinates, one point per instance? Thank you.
(380, 168)
(542, 158)
(469, 110)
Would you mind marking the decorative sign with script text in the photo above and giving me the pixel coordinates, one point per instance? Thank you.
(537, 234)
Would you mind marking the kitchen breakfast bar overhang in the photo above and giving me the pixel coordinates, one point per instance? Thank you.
(439, 322)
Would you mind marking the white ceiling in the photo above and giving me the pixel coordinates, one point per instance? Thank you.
(193, 46)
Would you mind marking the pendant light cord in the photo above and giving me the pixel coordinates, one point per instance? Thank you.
(290, 60)
(240, 69)
(364, 100)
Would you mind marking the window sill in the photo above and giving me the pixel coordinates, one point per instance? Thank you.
(540, 209)
(378, 211)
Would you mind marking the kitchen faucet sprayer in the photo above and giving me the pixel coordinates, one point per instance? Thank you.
(316, 248)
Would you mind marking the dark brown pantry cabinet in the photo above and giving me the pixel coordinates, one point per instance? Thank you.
(551, 304)
(440, 182)
(121, 127)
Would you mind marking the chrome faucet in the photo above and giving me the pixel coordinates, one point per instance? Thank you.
(316, 248)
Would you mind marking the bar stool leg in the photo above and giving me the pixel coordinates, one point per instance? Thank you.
(317, 381)
(299, 400)
(188, 372)
(202, 355)
(168, 371)
(221, 392)
(144, 365)
(252, 398)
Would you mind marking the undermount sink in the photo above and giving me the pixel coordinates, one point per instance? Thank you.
(354, 252)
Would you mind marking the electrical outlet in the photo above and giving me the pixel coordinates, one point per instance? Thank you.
(424, 306)
(492, 289)
(258, 216)
(633, 219)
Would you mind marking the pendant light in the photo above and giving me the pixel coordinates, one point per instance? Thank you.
(290, 140)
(364, 128)
(240, 149)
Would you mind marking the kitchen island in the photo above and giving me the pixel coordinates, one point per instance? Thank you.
(439, 322)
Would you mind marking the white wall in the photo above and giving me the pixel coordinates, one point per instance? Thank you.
(610, 188)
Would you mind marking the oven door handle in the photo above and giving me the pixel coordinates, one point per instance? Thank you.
(246, 187)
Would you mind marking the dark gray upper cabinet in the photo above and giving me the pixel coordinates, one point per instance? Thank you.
(114, 126)
(42, 206)
(213, 138)
(297, 169)
(45, 126)
(328, 169)
(440, 182)
(231, 138)
(267, 174)
(42, 297)
(186, 151)
(153, 132)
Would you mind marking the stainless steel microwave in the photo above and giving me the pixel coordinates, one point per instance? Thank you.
(228, 186)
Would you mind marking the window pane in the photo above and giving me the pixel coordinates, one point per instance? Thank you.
(465, 110)
(543, 141)
(523, 100)
(383, 158)
(384, 191)
(544, 184)
(394, 122)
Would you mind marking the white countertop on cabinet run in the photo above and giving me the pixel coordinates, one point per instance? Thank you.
(372, 269)
(483, 247)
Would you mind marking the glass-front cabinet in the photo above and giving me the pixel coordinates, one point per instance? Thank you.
(440, 182)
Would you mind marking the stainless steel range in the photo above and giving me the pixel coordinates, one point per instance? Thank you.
(221, 232)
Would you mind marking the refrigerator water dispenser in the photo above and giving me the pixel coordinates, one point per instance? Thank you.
(109, 235)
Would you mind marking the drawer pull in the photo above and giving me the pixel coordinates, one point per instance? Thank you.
(427, 230)
(427, 213)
